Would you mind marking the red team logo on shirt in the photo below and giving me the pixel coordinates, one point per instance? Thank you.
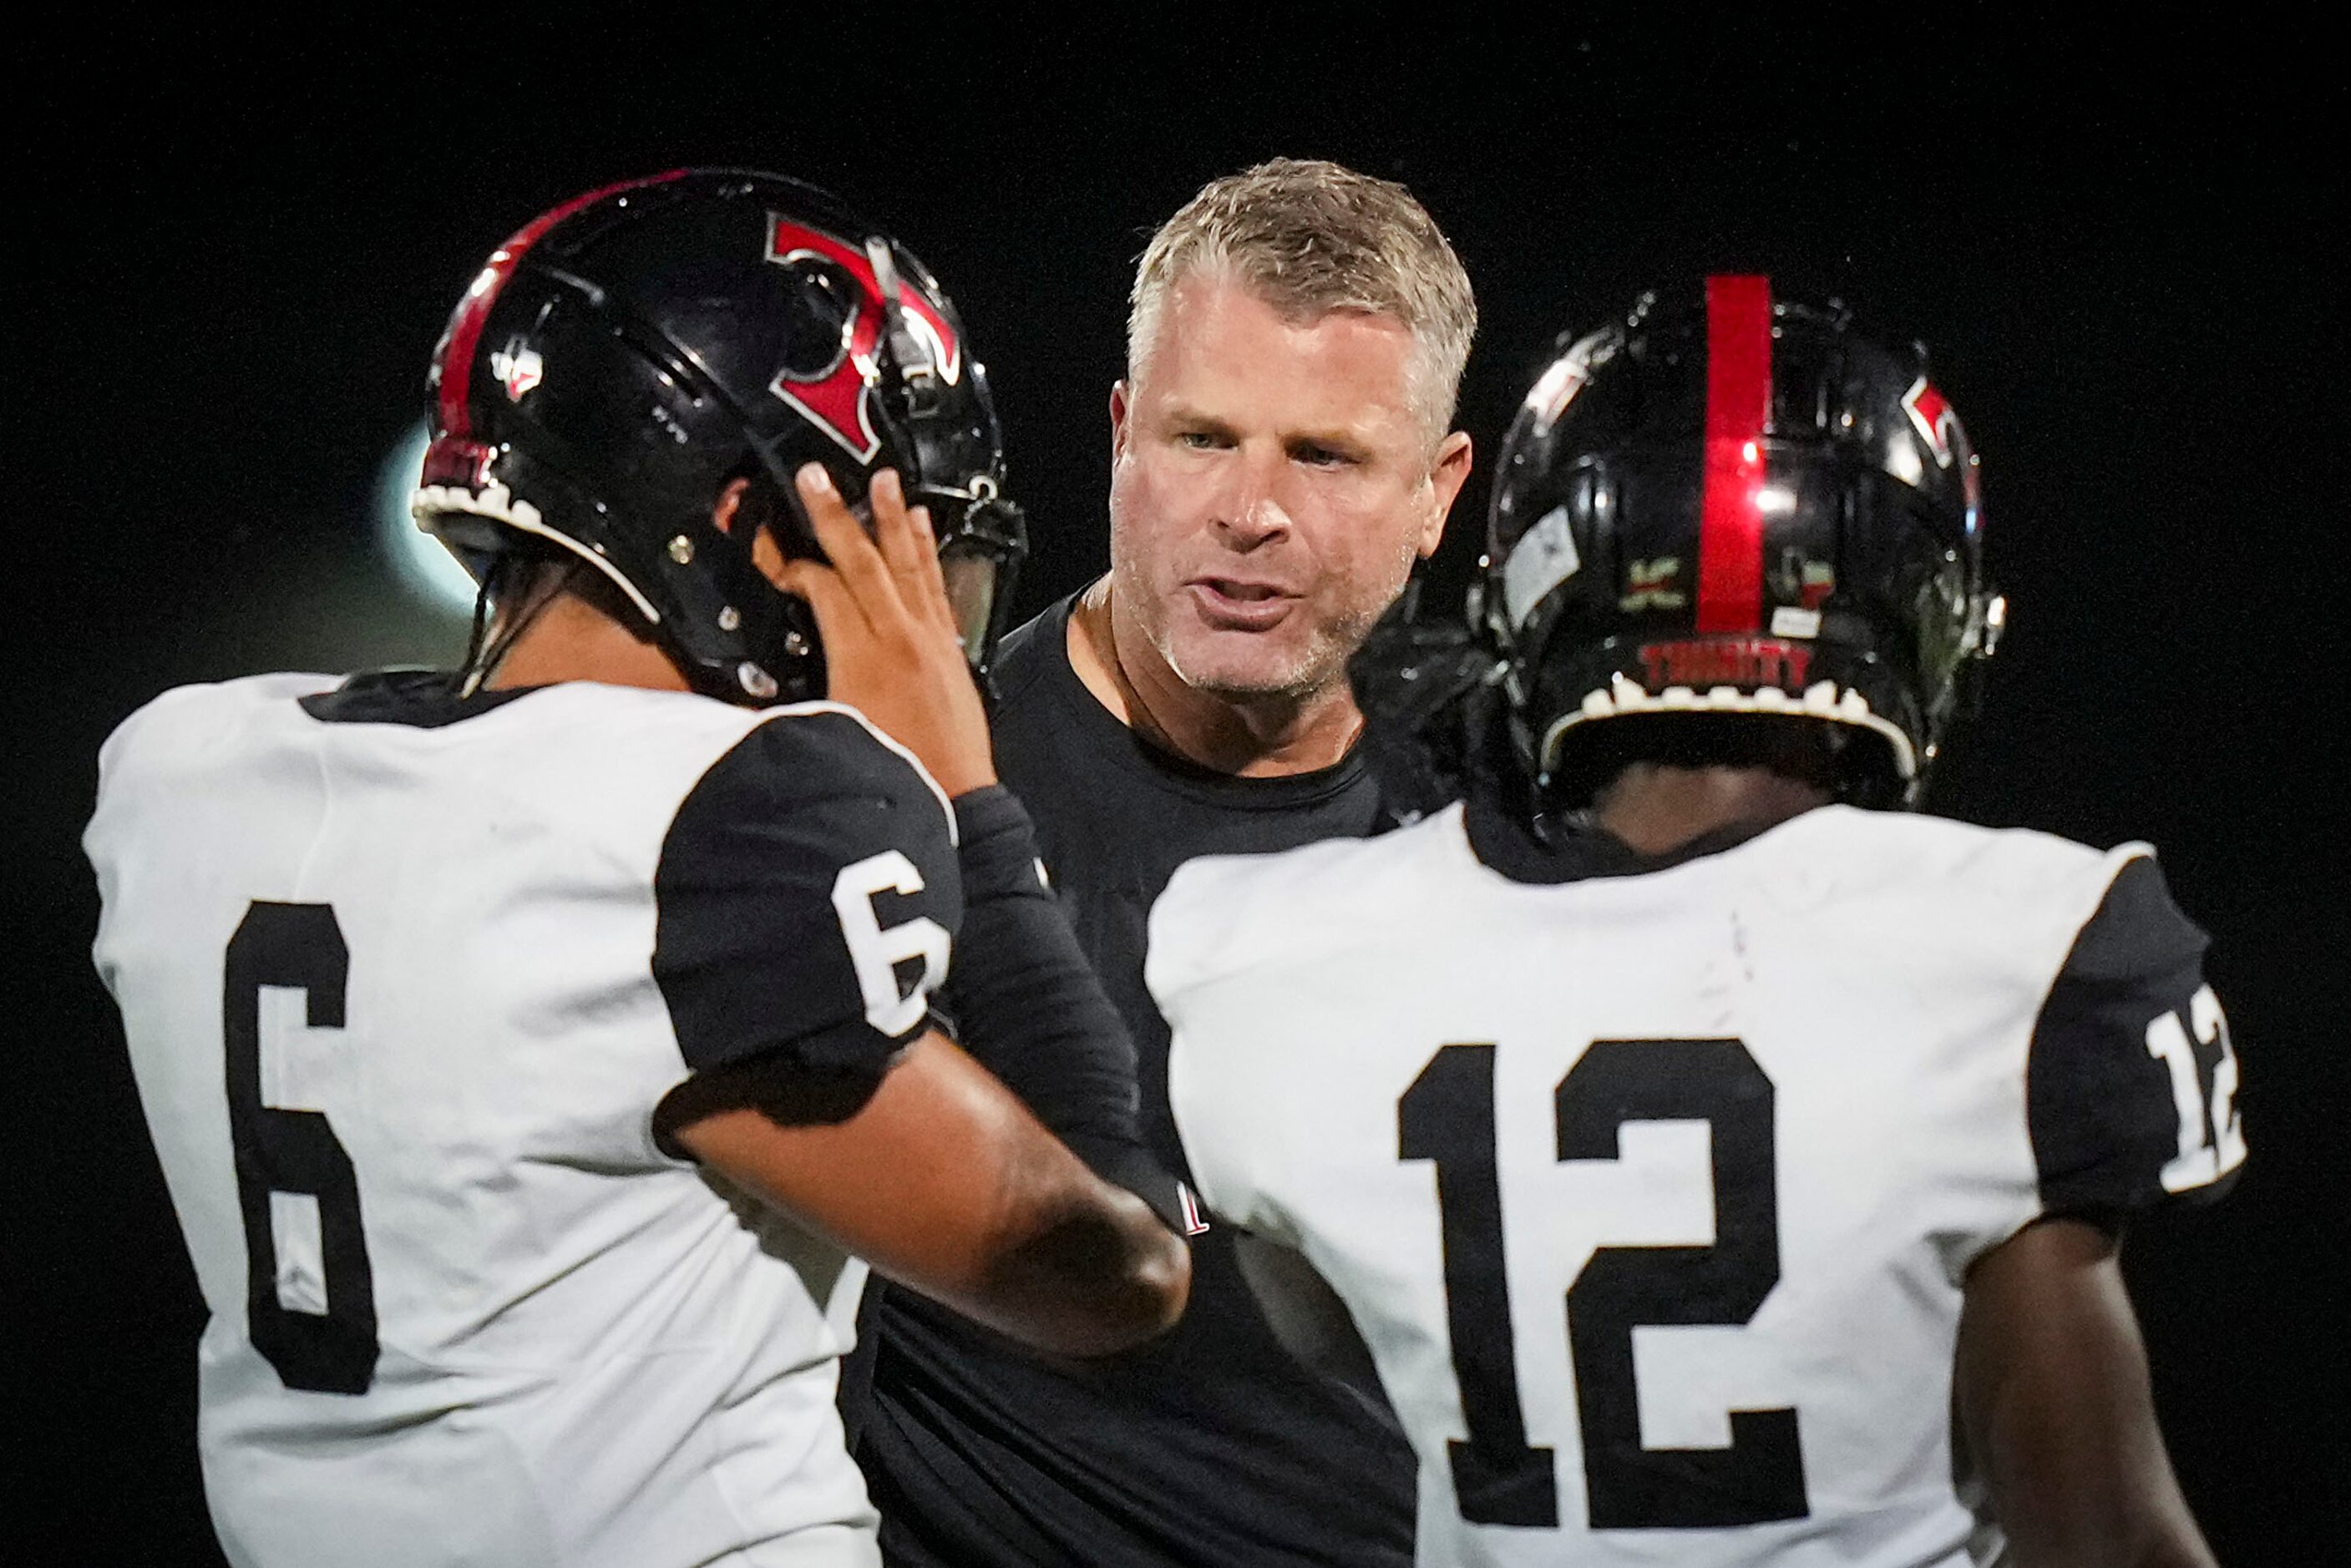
(1196, 1221)
(834, 399)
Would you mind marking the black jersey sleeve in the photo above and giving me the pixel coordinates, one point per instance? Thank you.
(807, 898)
(2132, 1081)
(1024, 1002)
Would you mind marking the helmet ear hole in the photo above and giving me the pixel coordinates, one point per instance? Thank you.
(771, 508)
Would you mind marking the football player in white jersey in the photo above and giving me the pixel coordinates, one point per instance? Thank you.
(1722, 1165)
(529, 1049)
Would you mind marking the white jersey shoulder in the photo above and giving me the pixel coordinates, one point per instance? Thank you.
(390, 995)
(1221, 912)
(1615, 1174)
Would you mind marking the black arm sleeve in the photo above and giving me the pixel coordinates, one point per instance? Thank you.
(1026, 1005)
(806, 901)
(2132, 1077)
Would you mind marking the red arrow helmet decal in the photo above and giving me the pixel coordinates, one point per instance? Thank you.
(834, 397)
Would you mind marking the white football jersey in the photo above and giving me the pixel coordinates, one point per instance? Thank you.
(1653, 1189)
(404, 978)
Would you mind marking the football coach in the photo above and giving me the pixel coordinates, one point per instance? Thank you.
(1282, 453)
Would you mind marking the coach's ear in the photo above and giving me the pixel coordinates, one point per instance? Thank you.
(1120, 394)
(1446, 474)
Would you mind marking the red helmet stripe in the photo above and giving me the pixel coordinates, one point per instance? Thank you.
(465, 334)
(1738, 402)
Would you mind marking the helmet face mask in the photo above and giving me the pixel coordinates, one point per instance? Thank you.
(627, 356)
(1730, 505)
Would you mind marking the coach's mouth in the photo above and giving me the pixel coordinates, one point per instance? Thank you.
(1241, 604)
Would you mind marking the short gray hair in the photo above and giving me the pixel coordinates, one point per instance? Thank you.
(1308, 237)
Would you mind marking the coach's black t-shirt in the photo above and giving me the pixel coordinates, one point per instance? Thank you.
(1211, 1446)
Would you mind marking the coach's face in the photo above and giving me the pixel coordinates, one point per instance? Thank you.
(1271, 484)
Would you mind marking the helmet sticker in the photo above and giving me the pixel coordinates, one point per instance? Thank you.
(1539, 563)
(518, 367)
(1653, 584)
(1802, 581)
(1937, 422)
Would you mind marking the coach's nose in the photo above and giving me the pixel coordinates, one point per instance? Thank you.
(1253, 508)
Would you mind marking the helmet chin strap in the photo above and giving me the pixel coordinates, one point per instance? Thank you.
(495, 632)
(468, 677)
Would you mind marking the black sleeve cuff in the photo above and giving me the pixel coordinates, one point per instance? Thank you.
(1025, 1002)
(996, 844)
(1131, 1165)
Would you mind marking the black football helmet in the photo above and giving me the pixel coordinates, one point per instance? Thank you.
(626, 355)
(1731, 503)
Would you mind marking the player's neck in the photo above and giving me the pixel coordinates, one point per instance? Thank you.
(1655, 809)
(1269, 737)
(568, 639)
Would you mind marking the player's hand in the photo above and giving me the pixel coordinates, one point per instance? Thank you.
(891, 647)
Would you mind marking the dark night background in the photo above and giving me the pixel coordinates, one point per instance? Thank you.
(236, 248)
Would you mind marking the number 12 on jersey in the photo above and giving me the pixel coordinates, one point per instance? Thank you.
(1447, 1117)
(2211, 1136)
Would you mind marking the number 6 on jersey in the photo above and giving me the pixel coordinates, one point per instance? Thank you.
(877, 949)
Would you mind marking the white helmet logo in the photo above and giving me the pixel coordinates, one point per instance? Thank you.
(518, 367)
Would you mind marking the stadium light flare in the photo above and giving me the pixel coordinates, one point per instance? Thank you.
(425, 567)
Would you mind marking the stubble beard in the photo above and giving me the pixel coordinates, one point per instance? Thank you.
(1295, 680)
(1317, 668)
(1245, 671)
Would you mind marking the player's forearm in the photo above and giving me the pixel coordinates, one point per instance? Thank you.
(1099, 1276)
(2119, 1542)
(2099, 1510)
(1065, 1261)
(946, 1184)
(2053, 1396)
